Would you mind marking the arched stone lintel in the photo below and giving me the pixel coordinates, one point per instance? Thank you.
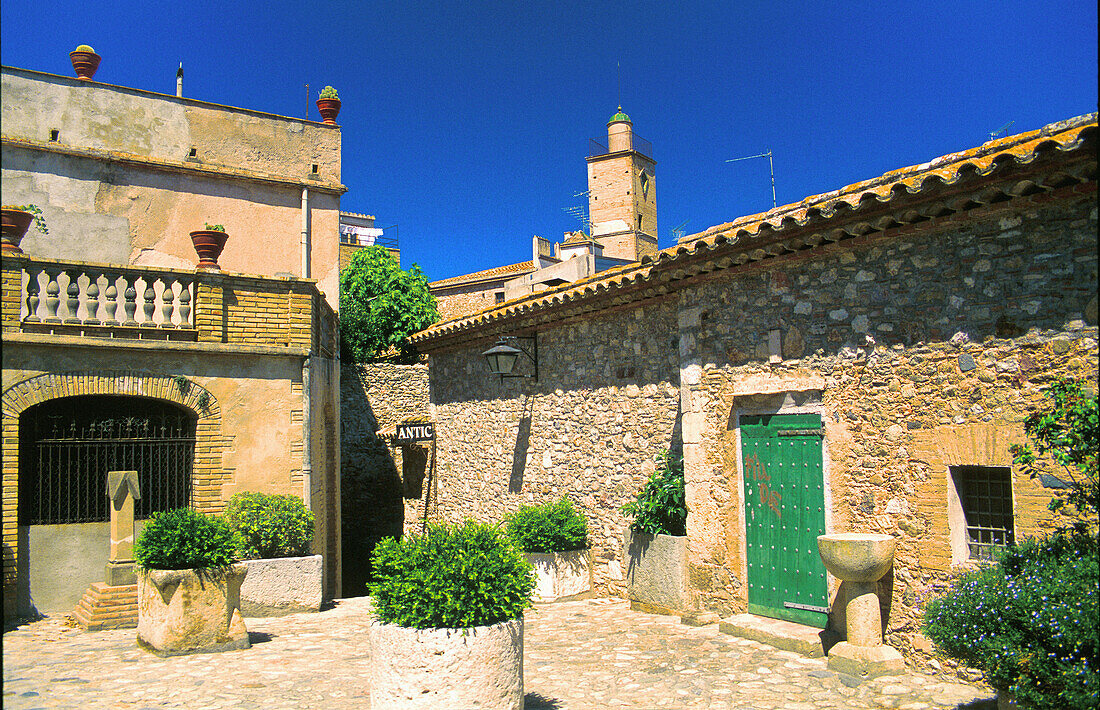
(173, 388)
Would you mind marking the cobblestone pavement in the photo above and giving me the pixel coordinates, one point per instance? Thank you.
(580, 655)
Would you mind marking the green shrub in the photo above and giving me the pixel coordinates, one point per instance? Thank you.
(184, 539)
(269, 525)
(550, 527)
(214, 227)
(450, 577)
(84, 48)
(329, 93)
(1029, 622)
(660, 508)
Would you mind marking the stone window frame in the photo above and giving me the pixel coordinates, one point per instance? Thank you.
(937, 499)
(207, 472)
(959, 516)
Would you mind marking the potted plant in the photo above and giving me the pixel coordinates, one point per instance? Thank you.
(272, 534)
(329, 105)
(16, 220)
(449, 619)
(554, 536)
(208, 244)
(655, 543)
(85, 62)
(188, 585)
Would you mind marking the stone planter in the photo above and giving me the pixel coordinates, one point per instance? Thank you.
(561, 575)
(280, 586)
(182, 611)
(208, 244)
(478, 667)
(656, 571)
(15, 224)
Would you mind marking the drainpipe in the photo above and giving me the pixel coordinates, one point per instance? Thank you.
(305, 233)
(307, 436)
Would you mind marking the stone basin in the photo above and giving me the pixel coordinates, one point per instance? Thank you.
(857, 557)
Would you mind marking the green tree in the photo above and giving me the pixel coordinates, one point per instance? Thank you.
(1069, 433)
(381, 305)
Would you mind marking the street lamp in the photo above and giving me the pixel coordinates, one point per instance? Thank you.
(502, 357)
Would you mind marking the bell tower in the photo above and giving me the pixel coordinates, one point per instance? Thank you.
(622, 199)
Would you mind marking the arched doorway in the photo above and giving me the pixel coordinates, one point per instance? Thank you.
(66, 447)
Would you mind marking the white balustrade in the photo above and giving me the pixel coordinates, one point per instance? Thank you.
(105, 296)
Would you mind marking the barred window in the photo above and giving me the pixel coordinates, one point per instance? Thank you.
(986, 496)
(67, 446)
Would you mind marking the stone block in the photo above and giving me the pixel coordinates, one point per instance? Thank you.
(657, 570)
(184, 611)
(280, 586)
(561, 575)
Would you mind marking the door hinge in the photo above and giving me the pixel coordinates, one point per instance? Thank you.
(801, 432)
(806, 607)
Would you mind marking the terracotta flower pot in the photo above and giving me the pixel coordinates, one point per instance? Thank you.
(15, 226)
(208, 245)
(85, 64)
(329, 109)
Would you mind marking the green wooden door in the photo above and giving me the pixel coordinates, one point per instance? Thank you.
(784, 514)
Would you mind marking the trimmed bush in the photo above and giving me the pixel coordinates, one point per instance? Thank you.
(661, 508)
(1029, 622)
(329, 93)
(84, 48)
(450, 577)
(184, 539)
(267, 526)
(550, 527)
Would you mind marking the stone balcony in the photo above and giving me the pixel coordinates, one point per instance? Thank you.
(76, 299)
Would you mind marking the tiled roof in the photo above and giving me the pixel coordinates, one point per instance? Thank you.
(941, 187)
(522, 267)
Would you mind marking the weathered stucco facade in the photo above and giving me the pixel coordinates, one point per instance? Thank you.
(125, 175)
(917, 317)
(248, 354)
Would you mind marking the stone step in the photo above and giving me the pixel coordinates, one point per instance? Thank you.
(107, 607)
(785, 635)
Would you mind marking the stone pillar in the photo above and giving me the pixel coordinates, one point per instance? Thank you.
(863, 614)
(122, 490)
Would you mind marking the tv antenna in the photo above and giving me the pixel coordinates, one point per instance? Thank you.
(307, 102)
(678, 231)
(580, 213)
(771, 168)
(1002, 129)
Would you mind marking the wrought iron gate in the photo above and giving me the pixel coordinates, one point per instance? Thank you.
(68, 445)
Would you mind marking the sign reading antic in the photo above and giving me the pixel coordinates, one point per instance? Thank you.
(409, 432)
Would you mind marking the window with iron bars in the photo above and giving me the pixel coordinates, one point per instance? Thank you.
(986, 496)
(67, 446)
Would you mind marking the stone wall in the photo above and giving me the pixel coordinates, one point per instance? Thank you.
(921, 348)
(460, 303)
(375, 502)
(605, 405)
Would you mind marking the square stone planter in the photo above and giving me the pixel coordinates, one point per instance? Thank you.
(281, 585)
(182, 611)
(427, 669)
(561, 575)
(656, 570)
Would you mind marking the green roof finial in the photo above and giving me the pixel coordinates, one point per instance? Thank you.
(620, 116)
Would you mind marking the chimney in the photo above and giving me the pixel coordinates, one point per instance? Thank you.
(179, 80)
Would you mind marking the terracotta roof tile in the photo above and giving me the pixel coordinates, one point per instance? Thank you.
(485, 275)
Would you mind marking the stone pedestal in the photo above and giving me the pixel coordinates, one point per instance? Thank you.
(861, 560)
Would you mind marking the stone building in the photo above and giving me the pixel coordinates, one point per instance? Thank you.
(622, 209)
(358, 231)
(860, 360)
(120, 354)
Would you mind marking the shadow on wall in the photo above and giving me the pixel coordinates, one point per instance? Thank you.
(371, 488)
(523, 443)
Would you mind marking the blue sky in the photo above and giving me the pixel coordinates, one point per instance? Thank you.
(466, 123)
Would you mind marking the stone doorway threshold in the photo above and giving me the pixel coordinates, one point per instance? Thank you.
(784, 635)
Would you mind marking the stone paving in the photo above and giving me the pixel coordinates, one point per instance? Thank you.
(582, 655)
